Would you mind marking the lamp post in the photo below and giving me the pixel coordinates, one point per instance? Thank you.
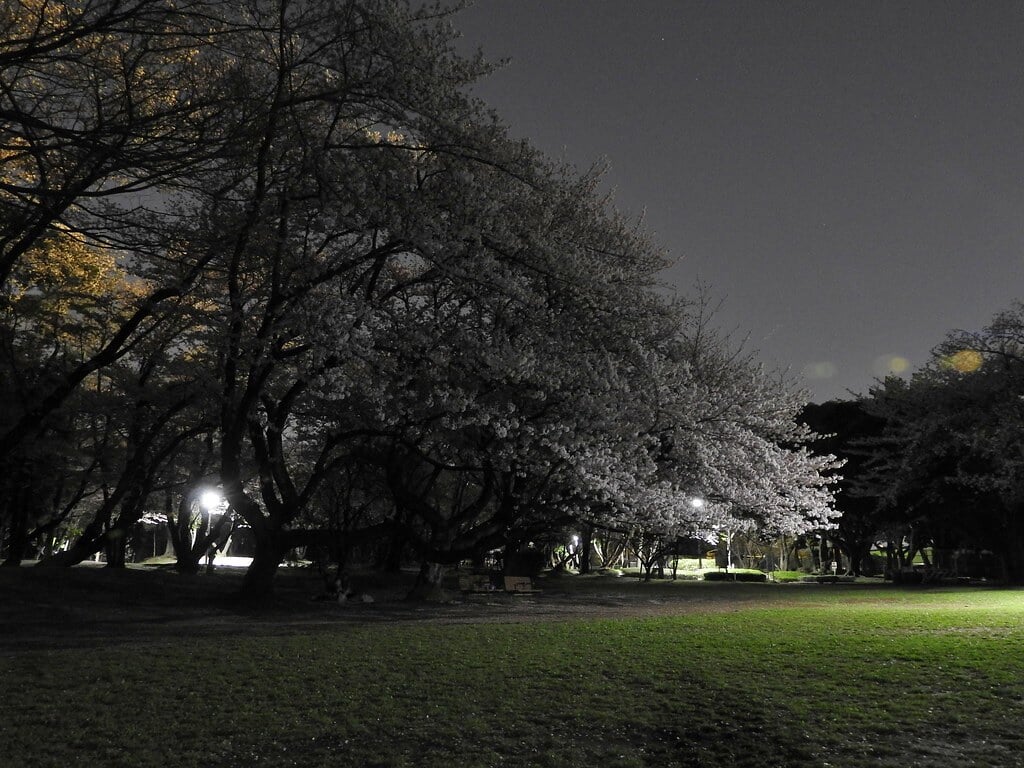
(698, 503)
(210, 500)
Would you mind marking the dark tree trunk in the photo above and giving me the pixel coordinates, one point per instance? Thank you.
(91, 541)
(646, 567)
(168, 539)
(586, 543)
(858, 553)
(17, 540)
(1011, 555)
(187, 563)
(258, 584)
(1013, 568)
(892, 569)
(784, 550)
(259, 579)
(429, 584)
(391, 556)
(179, 532)
(115, 543)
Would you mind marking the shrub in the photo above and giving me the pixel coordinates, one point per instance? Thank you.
(735, 576)
(829, 579)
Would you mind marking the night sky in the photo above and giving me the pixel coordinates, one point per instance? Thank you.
(845, 176)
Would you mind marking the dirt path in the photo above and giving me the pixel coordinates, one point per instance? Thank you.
(92, 607)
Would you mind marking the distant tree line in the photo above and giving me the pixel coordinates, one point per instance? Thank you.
(274, 247)
(935, 464)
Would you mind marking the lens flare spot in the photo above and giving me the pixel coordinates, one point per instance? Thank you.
(888, 365)
(820, 370)
(965, 361)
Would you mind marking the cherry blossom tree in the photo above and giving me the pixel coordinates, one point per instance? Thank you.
(723, 430)
(491, 338)
(373, 287)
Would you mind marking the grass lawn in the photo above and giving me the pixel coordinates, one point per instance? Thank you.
(828, 676)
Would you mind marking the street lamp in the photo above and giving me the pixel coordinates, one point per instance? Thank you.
(210, 500)
(698, 503)
(213, 503)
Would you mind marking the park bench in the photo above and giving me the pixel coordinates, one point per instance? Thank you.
(519, 584)
(477, 582)
(482, 582)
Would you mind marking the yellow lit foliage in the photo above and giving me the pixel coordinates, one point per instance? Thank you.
(392, 137)
(16, 171)
(32, 19)
(106, 82)
(965, 361)
(67, 291)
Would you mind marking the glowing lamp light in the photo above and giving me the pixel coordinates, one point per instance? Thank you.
(210, 500)
(697, 503)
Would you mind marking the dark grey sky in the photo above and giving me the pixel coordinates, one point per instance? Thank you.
(847, 176)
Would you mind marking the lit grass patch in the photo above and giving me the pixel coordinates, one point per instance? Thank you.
(845, 678)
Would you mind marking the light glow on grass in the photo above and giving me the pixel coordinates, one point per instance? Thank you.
(832, 675)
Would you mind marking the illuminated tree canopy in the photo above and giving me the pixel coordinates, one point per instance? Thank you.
(326, 276)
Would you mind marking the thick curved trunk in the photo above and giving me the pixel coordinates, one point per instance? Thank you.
(258, 584)
(90, 542)
(65, 559)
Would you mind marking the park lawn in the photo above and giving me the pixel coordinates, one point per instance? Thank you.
(898, 678)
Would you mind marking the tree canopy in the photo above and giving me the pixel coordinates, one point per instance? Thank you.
(950, 458)
(327, 277)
